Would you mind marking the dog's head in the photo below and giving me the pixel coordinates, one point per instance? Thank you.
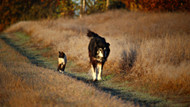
(103, 52)
(61, 54)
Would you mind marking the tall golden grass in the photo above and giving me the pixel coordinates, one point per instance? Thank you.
(24, 84)
(151, 50)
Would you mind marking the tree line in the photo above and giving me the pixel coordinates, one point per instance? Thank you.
(158, 5)
(13, 11)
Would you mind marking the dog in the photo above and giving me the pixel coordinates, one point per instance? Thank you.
(62, 61)
(99, 51)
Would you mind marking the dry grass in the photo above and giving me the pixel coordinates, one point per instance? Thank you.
(149, 49)
(23, 84)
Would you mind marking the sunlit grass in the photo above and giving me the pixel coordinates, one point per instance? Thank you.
(24, 84)
(150, 50)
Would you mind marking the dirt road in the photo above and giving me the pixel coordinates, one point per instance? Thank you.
(25, 84)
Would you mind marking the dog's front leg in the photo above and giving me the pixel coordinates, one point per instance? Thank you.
(59, 67)
(99, 71)
(93, 73)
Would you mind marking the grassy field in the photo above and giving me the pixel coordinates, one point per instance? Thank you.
(25, 84)
(151, 51)
(23, 45)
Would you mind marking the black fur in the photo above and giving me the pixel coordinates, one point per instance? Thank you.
(61, 54)
(97, 43)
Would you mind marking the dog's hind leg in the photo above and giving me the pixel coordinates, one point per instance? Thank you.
(64, 68)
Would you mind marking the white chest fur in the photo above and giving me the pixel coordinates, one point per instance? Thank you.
(62, 60)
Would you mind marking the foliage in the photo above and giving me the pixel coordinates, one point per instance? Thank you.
(66, 8)
(13, 11)
(100, 5)
(95, 6)
(158, 5)
(116, 4)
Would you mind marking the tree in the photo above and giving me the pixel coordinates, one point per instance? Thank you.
(13, 11)
(158, 5)
(91, 6)
(82, 7)
(66, 8)
(107, 4)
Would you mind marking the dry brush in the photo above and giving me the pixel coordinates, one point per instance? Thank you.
(149, 49)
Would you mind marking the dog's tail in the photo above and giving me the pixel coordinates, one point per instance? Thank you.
(91, 34)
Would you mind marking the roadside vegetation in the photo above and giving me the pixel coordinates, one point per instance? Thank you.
(25, 84)
(150, 52)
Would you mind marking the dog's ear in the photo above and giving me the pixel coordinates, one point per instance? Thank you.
(108, 44)
(63, 54)
(60, 52)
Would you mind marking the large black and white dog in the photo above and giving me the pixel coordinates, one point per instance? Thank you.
(99, 51)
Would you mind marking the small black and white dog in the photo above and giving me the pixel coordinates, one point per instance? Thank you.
(62, 61)
(99, 51)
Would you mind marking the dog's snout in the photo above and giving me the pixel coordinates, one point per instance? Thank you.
(100, 52)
